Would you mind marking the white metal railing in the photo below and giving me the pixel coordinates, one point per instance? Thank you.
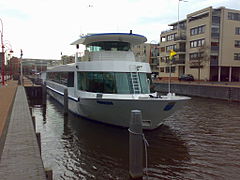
(111, 56)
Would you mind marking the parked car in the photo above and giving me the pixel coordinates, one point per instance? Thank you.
(186, 77)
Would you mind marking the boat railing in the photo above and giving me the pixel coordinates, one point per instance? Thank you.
(141, 58)
(111, 56)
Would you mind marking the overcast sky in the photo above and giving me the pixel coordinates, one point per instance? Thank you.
(45, 28)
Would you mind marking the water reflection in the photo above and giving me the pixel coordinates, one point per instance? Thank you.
(191, 144)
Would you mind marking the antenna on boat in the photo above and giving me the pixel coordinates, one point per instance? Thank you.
(76, 55)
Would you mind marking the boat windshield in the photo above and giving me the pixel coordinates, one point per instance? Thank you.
(111, 82)
(108, 46)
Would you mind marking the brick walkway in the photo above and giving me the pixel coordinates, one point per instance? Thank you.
(7, 94)
(21, 157)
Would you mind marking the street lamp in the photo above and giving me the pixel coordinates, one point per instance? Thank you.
(3, 58)
(21, 70)
(9, 48)
(178, 25)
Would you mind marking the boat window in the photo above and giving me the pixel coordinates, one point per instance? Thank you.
(82, 81)
(144, 83)
(110, 82)
(122, 83)
(70, 79)
(108, 46)
(95, 82)
(65, 78)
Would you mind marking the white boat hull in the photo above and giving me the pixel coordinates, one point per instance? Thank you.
(118, 111)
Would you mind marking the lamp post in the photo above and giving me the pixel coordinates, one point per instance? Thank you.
(21, 68)
(8, 47)
(178, 25)
(3, 58)
(11, 73)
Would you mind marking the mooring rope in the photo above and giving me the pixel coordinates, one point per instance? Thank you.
(145, 149)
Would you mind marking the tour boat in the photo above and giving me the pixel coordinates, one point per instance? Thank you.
(108, 82)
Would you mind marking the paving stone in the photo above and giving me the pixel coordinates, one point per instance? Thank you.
(21, 158)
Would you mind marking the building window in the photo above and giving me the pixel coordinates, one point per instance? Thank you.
(196, 56)
(163, 39)
(162, 49)
(172, 70)
(216, 20)
(173, 47)
(215, 30)
(237, 56)
(161, 69)
(237, 43)
(234, 16)
(171, 37)
(237, 30)
(197, 30)
(215, 33)
(197, 43)
(167, 59)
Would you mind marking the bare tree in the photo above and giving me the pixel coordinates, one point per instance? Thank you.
(202, 58)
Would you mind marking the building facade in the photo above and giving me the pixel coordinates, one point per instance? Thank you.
(148, 52)
(15, 67)
(32, 66)
(207, 43)
(142, 52)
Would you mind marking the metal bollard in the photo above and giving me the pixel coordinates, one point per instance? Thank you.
(136, 145)
(44, 94)
(31, 110)
(49, 174)
(65, 101)
(34, 122)
(39, 142)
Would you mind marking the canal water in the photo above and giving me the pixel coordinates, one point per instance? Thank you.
(201, 141)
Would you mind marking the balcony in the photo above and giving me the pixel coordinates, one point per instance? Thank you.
(180, 50)
(180, 38)
(215, 35)
(195, 64)
(214, 50)
(179, 61)
(167, 31)
(214, 61)
(154, 62)
(175, 61)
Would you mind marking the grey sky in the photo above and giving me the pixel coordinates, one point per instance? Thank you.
(45, 28)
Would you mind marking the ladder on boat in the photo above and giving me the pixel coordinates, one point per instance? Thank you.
(135, 83)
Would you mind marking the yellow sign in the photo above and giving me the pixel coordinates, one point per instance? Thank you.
(172, 53)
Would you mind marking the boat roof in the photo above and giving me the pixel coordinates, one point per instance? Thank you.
(133, 39)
